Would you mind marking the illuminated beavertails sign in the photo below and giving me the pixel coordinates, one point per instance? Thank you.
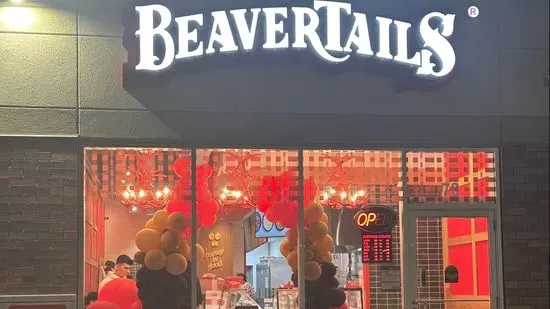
(236, 30)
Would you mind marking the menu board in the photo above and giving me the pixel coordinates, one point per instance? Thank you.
(377, 248)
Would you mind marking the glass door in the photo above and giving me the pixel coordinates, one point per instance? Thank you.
(452, 255)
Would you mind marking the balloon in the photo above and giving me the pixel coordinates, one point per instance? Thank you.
(155, 259)
(292, 236)
(312, 271)
(121, 292)
(177, 222)
(137, 305)
(204, 170)
(182, 167)
(317, 230)
(151, 224)
(292, 260)
(161, 219)
(139, 257)
(169, 241)
(329, 270)
(102, 305)
(333, 282)
(147, 239)
(200, 252)
(174, 206)
(325, 244)
(314, 213)
(337, 297)
(309, 254)
(285, 247)
(324, 218)
(208, 220)
(176, 264)
(184, 248)
(323, 256)
(310, 191)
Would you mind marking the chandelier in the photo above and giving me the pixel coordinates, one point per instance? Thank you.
(140, 189)
(340, 193)
(238, 193)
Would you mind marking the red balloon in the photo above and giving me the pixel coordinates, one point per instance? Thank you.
(137, 305)
(102, 305)
(310, 191)
(204, 171)
(121, 292)
(182, 167)
(174, 206)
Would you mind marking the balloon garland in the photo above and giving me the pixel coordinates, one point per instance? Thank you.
(162, 244)
(321, 285)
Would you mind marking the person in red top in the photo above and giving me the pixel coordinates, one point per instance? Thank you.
(121, 270)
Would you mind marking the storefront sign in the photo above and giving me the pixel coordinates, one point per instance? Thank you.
(377, 248)
(376, 224)
(236, 30)
(375, 219)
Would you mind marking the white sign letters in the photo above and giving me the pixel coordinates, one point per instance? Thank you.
(236, 30)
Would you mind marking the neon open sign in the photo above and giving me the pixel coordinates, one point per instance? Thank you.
(235, 30)
(375, 219)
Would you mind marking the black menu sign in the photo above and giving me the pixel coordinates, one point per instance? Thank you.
(376, 224)
(377, 248)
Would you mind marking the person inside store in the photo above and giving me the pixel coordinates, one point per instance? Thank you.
(121, 270)
(247, 286)
(90, 298)
(108, 267)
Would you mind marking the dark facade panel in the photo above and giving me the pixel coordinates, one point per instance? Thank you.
(39, 207)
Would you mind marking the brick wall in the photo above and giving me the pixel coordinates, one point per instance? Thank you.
(525, 223)
(38, 216)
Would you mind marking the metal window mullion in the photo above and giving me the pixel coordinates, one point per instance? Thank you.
(301, 232)
(194, 288)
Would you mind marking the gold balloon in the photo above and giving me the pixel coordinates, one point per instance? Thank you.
(285, 247)
(155, 259)
(200, 252)
(169, 241)
(177, 222)
(147, 239)
(292, 236)
(314, 213)
(184, 248)
(309, 254)
(176, 264)
(312, 271)
(324, 218)
(317, 230)
(325, 244)
(292, 260)
(139, 257)
(151, 224)
(326, 257)
(161, 219)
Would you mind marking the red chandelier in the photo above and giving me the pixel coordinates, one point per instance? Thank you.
(140, 190)
(238, 193)
(340, 193)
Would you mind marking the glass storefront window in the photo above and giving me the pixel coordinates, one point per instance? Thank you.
(123, 190)
(347, 182)
(247, 200)
(451, 177)
(247, 227)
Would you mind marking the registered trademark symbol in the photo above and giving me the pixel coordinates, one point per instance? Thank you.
(473, 11)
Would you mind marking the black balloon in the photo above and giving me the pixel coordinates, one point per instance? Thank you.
(334, 282)
(337, 298)
(328, 270)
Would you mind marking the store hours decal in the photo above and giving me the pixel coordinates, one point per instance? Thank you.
(376, 224)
